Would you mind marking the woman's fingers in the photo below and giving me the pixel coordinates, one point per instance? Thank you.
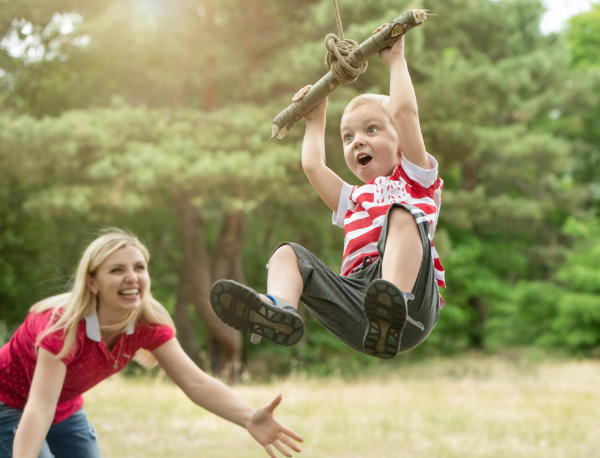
(287, 441)
(270, 451)
(281, 448)
(290, 433)
(274, 403)
(270, 433)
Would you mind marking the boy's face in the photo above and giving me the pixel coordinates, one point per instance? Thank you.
(371, 144)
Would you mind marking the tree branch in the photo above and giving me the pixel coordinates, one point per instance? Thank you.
(385, 38)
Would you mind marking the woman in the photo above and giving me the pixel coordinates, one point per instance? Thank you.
(70, 342)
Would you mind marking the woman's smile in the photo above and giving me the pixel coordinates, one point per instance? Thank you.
(120, 283)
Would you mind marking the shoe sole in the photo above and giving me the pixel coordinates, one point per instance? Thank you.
(386, 312)
(241, 308)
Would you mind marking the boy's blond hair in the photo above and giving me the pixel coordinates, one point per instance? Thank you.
(363, 99)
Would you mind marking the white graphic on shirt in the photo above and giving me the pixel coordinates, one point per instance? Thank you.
(389, 191)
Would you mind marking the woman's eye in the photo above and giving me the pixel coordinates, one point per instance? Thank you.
(140, 268)
(114, 271)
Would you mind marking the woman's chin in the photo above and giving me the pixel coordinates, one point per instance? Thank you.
(130, 304)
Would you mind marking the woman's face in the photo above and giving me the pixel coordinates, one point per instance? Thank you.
(121, 281)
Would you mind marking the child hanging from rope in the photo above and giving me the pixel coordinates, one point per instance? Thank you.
(389, 224)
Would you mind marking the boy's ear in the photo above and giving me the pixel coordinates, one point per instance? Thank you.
(399, 153)
(91, 284)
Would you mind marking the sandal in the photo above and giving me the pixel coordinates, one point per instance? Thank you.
(387, 313)
(242, 308)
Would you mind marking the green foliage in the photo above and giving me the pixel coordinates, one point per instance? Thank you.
(580, 117)
(104, 124)
(526, 315)
(160, 53)
(583, 37)
(577, 325)
(21, 252)
(486, 78)
(129, 158)
(564, 315)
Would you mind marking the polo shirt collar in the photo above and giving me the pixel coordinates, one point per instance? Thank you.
(92, 327)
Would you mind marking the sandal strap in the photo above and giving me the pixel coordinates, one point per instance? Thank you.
(279, 302)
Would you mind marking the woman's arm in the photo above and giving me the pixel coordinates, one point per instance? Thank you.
(217, 398)
(47, 383)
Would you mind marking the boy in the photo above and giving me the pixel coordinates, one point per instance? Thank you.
(389, 223)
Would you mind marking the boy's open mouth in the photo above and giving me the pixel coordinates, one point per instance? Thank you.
(364, 159)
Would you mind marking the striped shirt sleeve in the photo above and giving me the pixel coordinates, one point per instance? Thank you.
(343, 205)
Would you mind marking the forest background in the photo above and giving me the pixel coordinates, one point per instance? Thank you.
(155, 116)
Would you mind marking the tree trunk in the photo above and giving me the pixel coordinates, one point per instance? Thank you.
(211, 88)
(199, 270)
(190, 224)
(227, 263)
(476, 304)
(227, 253)
(469, 175)
(195, 281)
(477, 323)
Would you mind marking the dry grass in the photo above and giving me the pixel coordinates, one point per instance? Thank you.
(467, 407)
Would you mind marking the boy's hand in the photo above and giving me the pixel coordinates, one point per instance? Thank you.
(387, 55)
(317, 112)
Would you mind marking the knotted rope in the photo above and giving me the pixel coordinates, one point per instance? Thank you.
(337, 51)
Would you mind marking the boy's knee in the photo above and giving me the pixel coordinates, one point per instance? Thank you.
(284, 252)
(282, 258)
(401, 217)
(401, 223)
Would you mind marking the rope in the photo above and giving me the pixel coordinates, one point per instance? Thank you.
(335, 59)
(338, 20)
(337, 51)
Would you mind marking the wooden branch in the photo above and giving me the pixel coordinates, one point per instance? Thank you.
(385, 38)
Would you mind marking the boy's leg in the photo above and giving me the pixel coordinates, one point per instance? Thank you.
(406, 267)
(403, 250)
(295, 273)
(272, 317)
(284, 279)
(334, 300)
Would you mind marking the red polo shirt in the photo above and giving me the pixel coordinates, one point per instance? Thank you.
(88, 363)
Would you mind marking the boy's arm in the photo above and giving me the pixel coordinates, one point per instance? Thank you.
(404, 105)
(325, 181)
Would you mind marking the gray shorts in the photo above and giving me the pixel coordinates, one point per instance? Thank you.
(337, 301)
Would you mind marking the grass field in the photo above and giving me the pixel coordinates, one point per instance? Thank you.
(472, 406)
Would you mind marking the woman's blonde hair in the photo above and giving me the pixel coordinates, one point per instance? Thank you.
(70, 308)
(363, 99)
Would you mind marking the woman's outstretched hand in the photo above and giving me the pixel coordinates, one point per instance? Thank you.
(269, 433)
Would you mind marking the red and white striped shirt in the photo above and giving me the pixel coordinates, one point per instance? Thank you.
(362, 210)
